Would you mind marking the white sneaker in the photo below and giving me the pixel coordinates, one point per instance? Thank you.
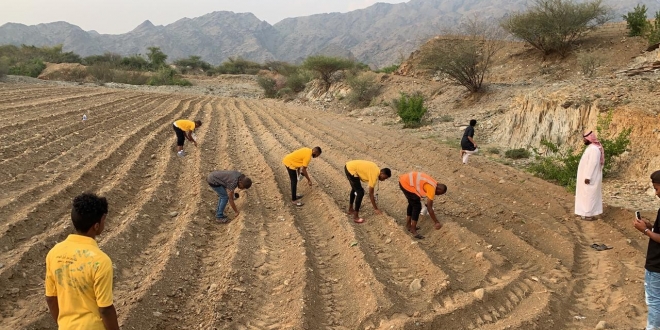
(300, 177)
(181, 153)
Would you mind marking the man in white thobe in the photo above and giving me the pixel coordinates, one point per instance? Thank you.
(589, 185)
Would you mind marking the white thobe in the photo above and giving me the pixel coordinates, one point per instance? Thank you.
(589, 197)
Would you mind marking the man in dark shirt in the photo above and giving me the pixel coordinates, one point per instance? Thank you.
(652, 272)
(468, 146)
(224, 183)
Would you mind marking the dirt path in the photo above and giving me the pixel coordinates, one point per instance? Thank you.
(510, 254)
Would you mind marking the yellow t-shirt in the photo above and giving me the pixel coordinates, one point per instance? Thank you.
(366, 170)
(185, 125)
(298, 158)
(79, 274)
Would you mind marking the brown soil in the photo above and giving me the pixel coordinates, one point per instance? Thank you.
(507, 235)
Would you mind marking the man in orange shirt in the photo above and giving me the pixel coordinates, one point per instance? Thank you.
(79, 274)
(297, 162)
(184, 129)
(362, 170)
(416, 185)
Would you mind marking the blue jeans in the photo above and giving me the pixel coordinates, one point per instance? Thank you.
(222, 202)
(652, 290)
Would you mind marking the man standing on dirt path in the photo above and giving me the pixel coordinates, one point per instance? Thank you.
(296, 163)
(79, 275)
(415, 186)
(184, 129)
(468, 146)
(224, 183)
(652, 267)
(589, 184)
(362, 170)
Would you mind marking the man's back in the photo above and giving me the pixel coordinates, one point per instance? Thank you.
(80, 275)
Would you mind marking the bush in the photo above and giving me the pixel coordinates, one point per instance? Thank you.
(298, 80)
(589, 63)
(4, 66)
(111, 58)
(410, 109)
(389, 69)
(283, 68)
(238, 65)
(135, 62)
(285, 93)
(465, 58)
(167, 76)
(561, 166)
(554, 25)
(156, 58)
(494, 151)
(32, 68)
(268, 85)
(654, 30)
(363, 89)
(325, 66)
(192, 63)
(519, 153)
(636, 20)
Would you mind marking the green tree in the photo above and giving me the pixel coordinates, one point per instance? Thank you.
(636, 20)
(156, 57)
(554, 25)
(134, 62)
(410, 109)
(325, 66)
(654, 30)
(363, 88)
(192, 63)
(467, 56)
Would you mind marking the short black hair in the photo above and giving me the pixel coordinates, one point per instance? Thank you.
(473, 122)
(246, 182)
(442, 187)
(387, 172)
(198, 123)
(319, 149)
(87, 210)
(655, 177)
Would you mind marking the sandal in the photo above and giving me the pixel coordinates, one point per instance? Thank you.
(297, 203)
(299, 197)
(222, 220)
(600, 247)
(419, 236)
(358, 220)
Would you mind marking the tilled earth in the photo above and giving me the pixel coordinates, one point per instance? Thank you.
(510, 256)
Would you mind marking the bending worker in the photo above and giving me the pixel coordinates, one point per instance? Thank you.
(416, 185)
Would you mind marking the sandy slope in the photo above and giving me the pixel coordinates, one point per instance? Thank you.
(280, 267)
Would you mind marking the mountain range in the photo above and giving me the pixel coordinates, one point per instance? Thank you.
(379, 35)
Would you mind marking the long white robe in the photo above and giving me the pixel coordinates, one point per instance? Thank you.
(589, 197)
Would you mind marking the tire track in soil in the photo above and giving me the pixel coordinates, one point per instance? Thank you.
(112, 189)
(330, 293)
(398, 263)
(22, 205)
(267, 293)
(346, 134)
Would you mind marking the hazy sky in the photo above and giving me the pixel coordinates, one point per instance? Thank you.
(120, 16)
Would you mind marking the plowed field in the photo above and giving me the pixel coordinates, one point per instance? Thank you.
(510, 256)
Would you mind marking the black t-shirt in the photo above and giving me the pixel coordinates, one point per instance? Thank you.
(465, 142)
(653, 252)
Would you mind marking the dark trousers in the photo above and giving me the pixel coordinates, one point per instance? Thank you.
(357, 192)
(180, 136)
(293, 175)
(414, 204)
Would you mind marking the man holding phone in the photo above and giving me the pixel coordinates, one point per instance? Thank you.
(652, 266)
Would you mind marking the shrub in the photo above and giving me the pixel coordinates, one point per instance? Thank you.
(285, 93)
(446, 119)
(389, 69)
(111, 58)
(636, 20)
(467, 57)
(519, 153)
(32, 68)
(325, 66)
(554, 25)
(494, 151)
(561, 166)
(134, 62)
(298, 80)
(167, 76)
(283, 68)
(268, 85)
(4, 66)
(654, 30)
(238, 65)
(130, 77)
(363, 89)
(156, 58)
(410, 109)
(192, 63)
(589, 63)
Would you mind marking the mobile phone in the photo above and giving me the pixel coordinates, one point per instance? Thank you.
(638, 216)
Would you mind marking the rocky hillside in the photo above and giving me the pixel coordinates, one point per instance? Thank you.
(379, 35)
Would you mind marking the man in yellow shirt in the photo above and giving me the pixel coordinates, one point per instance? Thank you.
(184, 129)
(296, 163)
(79, 274)
(362, 170)
(416, 185)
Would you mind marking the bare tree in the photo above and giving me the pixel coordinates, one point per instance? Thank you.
(466, 53)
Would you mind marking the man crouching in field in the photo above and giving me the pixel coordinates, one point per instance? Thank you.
(224, 183)
(79, 274)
